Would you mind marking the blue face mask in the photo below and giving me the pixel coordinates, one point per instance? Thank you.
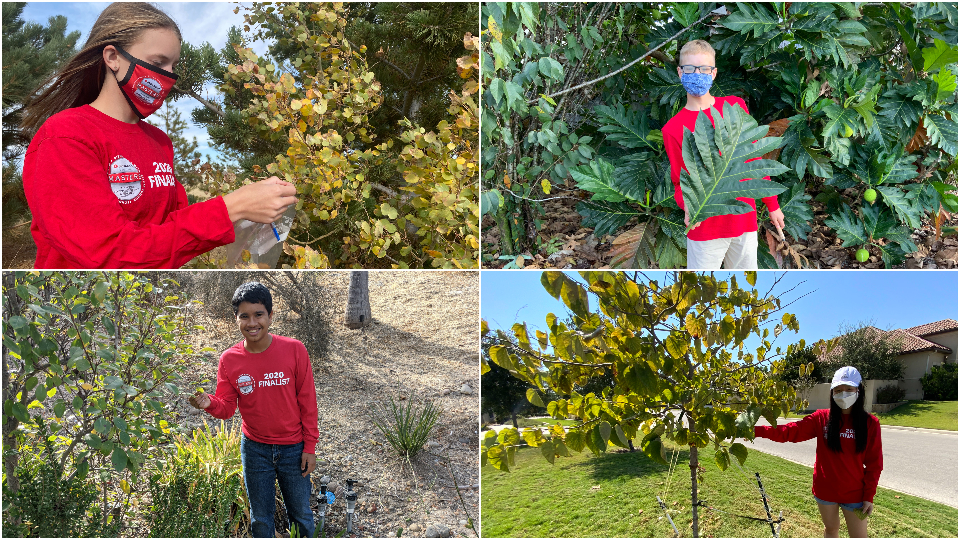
(696, 84)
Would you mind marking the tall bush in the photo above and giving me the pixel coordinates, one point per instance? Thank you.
(872, 351)
(91, 360)
(941, 383)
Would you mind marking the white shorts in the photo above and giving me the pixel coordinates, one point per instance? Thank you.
(738, 253)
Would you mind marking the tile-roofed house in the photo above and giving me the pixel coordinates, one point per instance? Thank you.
(938, 327)
(922, 347)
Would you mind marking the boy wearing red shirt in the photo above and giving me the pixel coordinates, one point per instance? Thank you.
(271, 379)
(730, 239)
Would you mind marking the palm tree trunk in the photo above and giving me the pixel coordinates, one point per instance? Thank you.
(358, 301)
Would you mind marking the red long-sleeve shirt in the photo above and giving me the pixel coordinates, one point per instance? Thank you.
(103, 195)
(275, 391)
(729, 226)
(840, 477)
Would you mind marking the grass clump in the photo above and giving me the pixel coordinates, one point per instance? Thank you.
(405, 423)
(199, 491)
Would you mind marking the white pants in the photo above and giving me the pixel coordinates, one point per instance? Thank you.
(738, 253)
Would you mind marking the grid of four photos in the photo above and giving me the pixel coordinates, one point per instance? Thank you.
(459, 269)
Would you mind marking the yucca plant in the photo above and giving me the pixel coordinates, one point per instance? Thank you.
(406, 423)
(199, 490)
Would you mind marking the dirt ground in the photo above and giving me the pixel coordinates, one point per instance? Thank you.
(423, 342)
(576, 247)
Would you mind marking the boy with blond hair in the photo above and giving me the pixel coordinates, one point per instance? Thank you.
(729, 239)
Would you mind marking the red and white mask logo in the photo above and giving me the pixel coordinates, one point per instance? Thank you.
(245, 384)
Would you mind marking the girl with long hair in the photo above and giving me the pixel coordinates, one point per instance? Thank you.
(849, 455)
(99, 181)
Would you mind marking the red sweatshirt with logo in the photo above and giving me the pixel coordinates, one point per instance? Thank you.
(275, 392)
(839, 477)
(103, 195)
(729, 226)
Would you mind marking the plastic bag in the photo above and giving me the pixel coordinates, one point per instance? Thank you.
(264, 241)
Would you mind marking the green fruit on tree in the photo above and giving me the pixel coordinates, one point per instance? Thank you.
(870, 195)
(862, 255)
(847, 131)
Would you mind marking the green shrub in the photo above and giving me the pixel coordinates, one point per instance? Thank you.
(406, 427)
(941, 383)
(199, 491)
(48, 505)
(890, 394)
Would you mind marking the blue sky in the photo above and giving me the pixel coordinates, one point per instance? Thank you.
(198, 22)
(889, 298)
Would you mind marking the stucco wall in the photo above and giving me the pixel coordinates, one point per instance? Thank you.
(916, 365)
(947, 339)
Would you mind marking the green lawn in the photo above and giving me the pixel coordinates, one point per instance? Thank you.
(614, 495)
(544, 422)
(923, 414)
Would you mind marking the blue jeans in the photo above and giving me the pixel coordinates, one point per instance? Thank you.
(845, 506)
(263, 466)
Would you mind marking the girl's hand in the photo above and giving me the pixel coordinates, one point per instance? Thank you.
(867, 508)
(261, 202)
(200, 400)
(776, 217)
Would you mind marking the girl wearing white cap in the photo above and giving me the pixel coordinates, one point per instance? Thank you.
(849, 455)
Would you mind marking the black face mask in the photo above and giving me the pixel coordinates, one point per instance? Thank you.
(144, 86)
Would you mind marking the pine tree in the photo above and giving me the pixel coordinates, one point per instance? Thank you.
(185, 154)
(31, 53)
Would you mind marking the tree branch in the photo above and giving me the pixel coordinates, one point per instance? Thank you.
(208, 104)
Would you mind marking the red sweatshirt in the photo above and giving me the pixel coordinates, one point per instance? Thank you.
(275, 390)
(103, 195)
(729, 226)
(840, 477)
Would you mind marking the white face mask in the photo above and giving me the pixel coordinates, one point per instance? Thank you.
(845, 399)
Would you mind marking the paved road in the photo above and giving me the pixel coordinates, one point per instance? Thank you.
(917, 462)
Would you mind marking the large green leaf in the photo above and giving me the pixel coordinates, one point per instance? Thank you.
(904, 204)
(626, 128)
(796, 211)
(848, 227)
(605, 217)
(942, 132)
(597, 177)
(799, 151)
(750, 18)
(941, 54)
(716, 157)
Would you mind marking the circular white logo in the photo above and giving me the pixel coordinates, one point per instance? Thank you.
(126, 182)
(148, 90)
(245, 384)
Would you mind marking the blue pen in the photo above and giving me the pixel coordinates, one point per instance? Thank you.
(275, 233)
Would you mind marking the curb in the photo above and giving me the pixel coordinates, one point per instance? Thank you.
(884, 426)
(923, 430)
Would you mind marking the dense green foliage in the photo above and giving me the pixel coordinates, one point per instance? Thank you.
(941, 383)
(864, 95)
(386, 171)
(198, 492)
(51, 506)
(90, 365)
(501, 394)
(890, 393)
(873, 352)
